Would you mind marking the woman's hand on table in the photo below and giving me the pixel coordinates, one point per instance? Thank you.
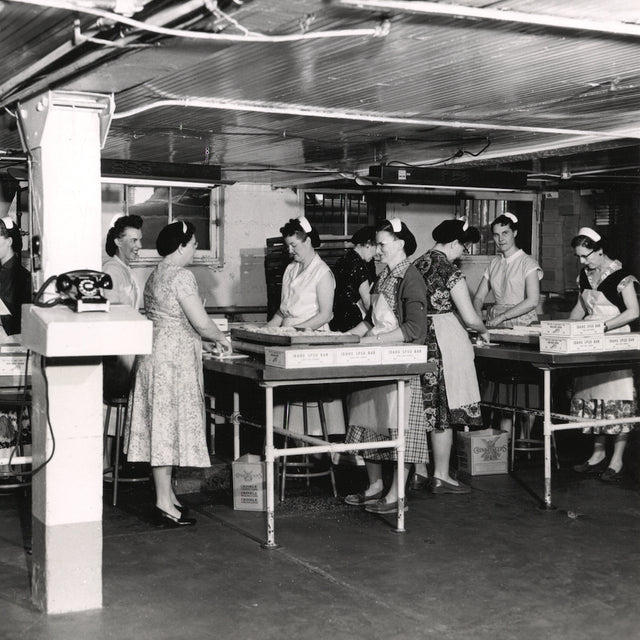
(497, 321)
(219, 347)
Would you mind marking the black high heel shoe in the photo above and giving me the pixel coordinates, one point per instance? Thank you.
(183, 509)
(163, 519)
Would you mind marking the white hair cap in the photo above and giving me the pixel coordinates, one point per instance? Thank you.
(396, 225)
(8, 222)
(305, 224)
(589, 233)
(114, 219)
(512, 216)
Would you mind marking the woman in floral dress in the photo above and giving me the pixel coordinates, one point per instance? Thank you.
(167, 422)
(450, 394)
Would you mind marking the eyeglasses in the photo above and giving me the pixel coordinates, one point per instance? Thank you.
(465, 249)
(585, 256)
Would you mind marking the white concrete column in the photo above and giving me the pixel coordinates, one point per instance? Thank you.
(63, 133)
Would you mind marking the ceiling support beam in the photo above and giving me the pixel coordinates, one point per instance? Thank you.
(362, 116)
(497, 15)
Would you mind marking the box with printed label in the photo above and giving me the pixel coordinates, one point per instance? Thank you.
(353, 356)
(484, 452)
(571, 328)
(403, 354)
(298, 357)
(559, 344)
(249, 483)
(621, 341)
(13, 364)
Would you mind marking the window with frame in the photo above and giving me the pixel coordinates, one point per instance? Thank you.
(159, 204)
(338, 214)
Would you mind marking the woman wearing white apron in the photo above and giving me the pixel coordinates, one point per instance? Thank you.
(397, 315)
(514, 279)
(306, 301)
(308, 284)
(607, 292)
(450, 394)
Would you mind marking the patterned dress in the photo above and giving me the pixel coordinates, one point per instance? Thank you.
(441, 276)
(166, 425)
(350, 272)
(605, 394)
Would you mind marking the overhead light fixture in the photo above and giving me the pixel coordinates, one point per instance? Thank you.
(449, 179)
(165, 171)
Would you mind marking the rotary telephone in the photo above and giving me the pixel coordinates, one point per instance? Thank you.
(79, 290)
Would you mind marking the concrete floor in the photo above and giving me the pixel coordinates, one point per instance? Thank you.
(489, 565)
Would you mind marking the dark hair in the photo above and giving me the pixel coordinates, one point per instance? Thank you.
(174, 235)
(294, 228)
(589, 243)
(450, 230)
(506, 221)
(364, 236)
(14, 234)
(410, 244)
(118, 230)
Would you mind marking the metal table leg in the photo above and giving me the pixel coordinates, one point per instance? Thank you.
(401, 450)
(269, 464)
(547, 437)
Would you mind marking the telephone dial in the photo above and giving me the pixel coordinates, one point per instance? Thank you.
(79, 290)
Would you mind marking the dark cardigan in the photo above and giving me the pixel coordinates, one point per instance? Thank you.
(412, 298)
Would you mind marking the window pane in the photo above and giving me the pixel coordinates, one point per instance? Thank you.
(152, 205)
(193, 205)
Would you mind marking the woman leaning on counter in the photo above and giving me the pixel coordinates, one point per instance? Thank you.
(306, 302)
(397, 315)
(308, 284)
(607, 292)
(166, 425)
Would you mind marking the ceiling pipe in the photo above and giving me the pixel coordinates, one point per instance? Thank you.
(498, 15)
(7, 95)
(314, 112)
(249, 36)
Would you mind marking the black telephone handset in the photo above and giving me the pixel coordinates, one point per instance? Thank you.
(87, 282)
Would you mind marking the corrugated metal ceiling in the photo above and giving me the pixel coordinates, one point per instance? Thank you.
(433, 90)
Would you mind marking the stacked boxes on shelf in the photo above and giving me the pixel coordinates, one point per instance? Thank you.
(583, 336)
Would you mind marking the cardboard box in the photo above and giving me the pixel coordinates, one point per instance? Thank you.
(571, 328)
(249, 483)
(299, 357)
(621, 341)
(13, 364)
(351, 356)
(484, 452)
(404, 354)
(295, 357)
(559, 344)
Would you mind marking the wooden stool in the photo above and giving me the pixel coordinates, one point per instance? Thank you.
(521, 438)
(305, 464)
(121, 406)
